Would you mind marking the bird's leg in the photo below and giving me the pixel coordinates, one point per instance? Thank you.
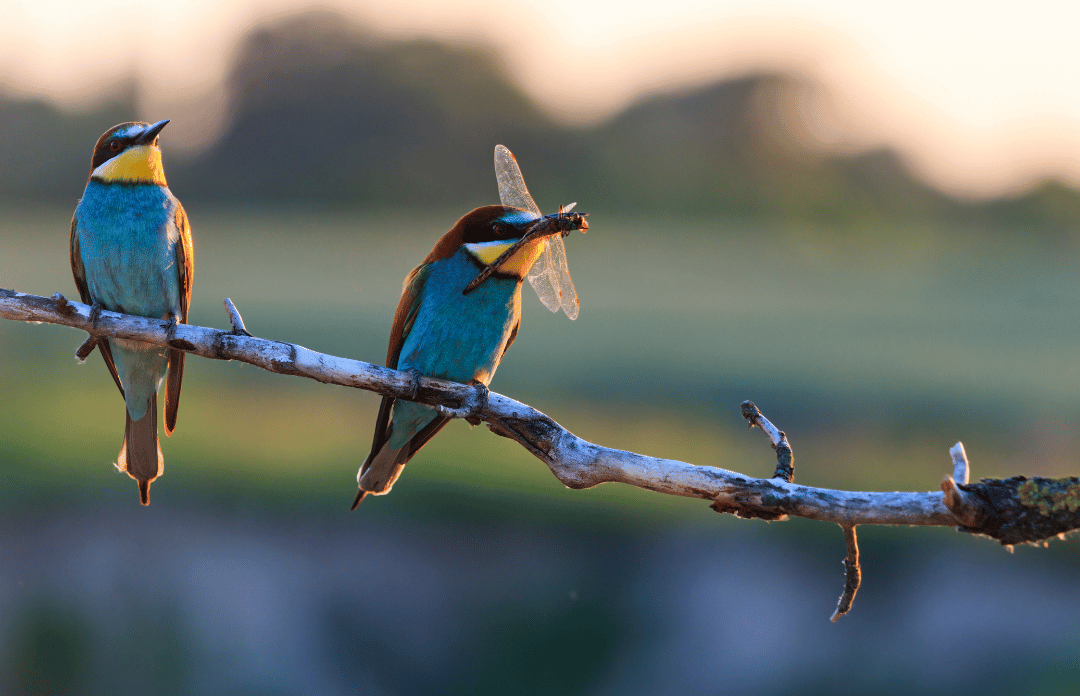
(91, 341)
(170, 327)
(415, 389)
(478, 402)
(95, 311)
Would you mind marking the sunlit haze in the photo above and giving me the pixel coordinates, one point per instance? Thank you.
(981, 98)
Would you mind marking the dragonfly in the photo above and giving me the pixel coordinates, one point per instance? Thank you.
(550, 275)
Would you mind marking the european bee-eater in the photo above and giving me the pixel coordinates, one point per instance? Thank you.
(445, 329)
(131, 252)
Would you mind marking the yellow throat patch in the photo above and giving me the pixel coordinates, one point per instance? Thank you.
(140, 164)
(517, 265)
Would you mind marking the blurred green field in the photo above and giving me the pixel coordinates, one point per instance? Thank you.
(874, 352)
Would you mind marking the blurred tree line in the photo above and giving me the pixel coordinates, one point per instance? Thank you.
(323, 111)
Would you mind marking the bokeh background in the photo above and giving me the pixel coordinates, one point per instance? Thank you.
(864, 217)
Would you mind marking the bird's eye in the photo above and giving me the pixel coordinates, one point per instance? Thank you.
(114, 146)
(500, 231)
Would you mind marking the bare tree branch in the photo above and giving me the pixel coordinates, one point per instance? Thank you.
(575, 462)
(1013, 511)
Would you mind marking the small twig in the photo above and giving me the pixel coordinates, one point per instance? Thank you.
(852, 573)
(785, 470)
(785, 458)
(235, 319)
(965, 508)
(961, 470)
(86, 348)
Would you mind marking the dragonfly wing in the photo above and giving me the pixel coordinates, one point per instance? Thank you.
(568, 298)
(512, 189)
(543, 279)
(549, 276)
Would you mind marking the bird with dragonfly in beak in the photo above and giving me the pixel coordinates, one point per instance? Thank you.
(460, 310)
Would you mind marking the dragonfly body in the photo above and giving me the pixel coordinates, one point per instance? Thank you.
(544, 228)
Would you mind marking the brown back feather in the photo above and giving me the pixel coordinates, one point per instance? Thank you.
(446, 247)
(185, 265)
(78, 270)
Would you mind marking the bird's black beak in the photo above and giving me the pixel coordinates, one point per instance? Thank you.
(150, 133)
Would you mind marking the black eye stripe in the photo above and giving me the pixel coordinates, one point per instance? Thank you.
(106, 151)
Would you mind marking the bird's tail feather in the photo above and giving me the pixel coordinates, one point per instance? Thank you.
(140, 457)
(382, 468)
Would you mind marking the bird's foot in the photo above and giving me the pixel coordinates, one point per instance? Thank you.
(170, 326)
(471, 406)
(479, 402)
(91, 341)
(414, 392)
(95, 312)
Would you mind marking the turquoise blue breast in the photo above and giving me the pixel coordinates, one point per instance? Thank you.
(127, 236)
(461, 337)
(127, 240)
(456, 337)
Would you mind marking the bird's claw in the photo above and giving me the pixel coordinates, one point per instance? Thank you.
(95, 312)
(170, 327)
(470, 407)
(415, 388)
(478, 403)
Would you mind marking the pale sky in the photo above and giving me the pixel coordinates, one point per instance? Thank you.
(980, 97)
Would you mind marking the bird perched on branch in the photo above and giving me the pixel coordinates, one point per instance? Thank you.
(131, 252)
(460, 311)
